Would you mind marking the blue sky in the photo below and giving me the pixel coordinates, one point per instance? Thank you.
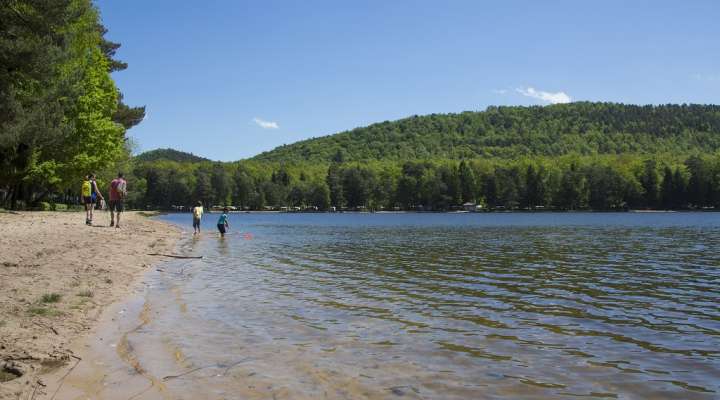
(230, 79)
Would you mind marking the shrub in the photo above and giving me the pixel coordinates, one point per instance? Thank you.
(51, 298)
(45, 312)
(61, 207)
(74, 207)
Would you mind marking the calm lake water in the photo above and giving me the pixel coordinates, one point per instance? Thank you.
(441, 306)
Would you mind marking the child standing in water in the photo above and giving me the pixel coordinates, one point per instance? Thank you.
(197, 216)
(223, 222)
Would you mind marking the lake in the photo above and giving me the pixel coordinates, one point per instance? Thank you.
(440, 306)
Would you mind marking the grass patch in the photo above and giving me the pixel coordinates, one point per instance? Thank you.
(51, 298)
(2, 323)
(86, 293)
(44, 311)
(108, 281)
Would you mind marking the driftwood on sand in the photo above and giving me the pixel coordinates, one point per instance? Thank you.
(174, 256)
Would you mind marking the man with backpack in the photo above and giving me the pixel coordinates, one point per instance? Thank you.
(118, 191)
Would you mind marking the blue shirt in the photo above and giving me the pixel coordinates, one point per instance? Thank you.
(223, 219)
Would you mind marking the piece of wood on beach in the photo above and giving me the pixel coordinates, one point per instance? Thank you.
(175, 256)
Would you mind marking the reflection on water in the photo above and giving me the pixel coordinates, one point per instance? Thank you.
(445, 306)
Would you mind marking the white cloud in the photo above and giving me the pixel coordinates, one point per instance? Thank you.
(707, 77)
(548, 97)
(266, 124)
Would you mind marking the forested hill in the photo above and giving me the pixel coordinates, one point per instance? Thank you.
(507, 132)
(170, 155)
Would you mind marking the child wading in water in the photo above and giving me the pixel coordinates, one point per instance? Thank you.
(223, 222)
(197, 216)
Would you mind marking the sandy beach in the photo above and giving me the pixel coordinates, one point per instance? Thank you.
(56, 277)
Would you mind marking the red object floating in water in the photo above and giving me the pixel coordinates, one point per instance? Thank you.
(247, 236)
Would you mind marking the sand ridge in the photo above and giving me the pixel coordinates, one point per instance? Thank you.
(56, 277)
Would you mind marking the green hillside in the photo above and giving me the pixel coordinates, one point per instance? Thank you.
(507, 132)
(169, 155)
(580, 156)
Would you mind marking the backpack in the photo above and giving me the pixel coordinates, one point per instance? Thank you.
(86, 189)
(120, 187)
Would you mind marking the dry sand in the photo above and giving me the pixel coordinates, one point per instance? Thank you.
(44, 253)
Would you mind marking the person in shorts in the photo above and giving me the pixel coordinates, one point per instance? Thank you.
(86, 194)
(197, 212)
(222, 224)
(118, 191)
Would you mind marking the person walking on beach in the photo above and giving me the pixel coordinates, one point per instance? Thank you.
(87, 200)
(222, 224)
(96, 196)
(90, 195)
(197, 212)
(118, 191)
(100, 199)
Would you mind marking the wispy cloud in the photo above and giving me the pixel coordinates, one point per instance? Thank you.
(548, 97)
(266, 124)
(500, 91)
(707, 77)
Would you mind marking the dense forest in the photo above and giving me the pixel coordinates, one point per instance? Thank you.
(578, 156)
(571, 182)
(61, 115)
(168, 154)
(510, 132)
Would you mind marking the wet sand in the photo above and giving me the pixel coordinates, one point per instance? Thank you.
(58, 276)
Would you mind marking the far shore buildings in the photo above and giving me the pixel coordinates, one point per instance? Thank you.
(472, 207)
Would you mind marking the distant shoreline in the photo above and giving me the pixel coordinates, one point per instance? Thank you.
(455, 212)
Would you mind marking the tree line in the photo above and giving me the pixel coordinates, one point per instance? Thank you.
(61, 115)
(563, 183)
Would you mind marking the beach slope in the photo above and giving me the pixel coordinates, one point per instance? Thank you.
(56, 276)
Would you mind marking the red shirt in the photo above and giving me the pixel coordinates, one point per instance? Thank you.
(114, 192)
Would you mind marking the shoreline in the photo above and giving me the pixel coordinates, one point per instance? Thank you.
(60, 278)
(628, 211)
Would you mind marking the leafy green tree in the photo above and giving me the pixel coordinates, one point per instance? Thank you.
(667, 190)
(490, 190)
(203, 190)
(510, 187)
(334, 182)
(221, 184)
(698, 185)
(467, 182)
(573, 193)
(356, 185)
(534, 191)
(606, 188)
(319, 196)
(650, 183)
(244, 188)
